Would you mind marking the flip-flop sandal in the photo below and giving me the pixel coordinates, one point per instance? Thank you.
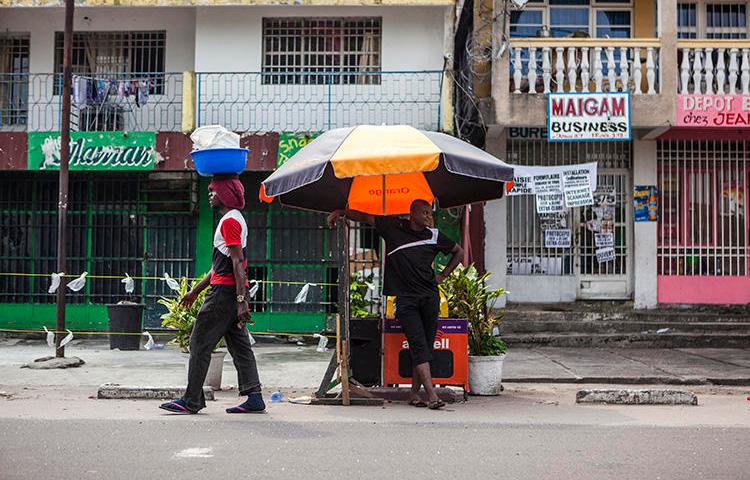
(417, 403)
(176, 407)
(241, 409)
(436, 405)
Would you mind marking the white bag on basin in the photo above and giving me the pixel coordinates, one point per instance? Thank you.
(214, 136)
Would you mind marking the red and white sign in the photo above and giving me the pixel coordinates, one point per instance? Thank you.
(713, 111)
(588, 116)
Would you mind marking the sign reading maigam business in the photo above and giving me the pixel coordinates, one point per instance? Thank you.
(588, 116)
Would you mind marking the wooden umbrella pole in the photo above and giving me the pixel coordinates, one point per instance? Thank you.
(343, 319)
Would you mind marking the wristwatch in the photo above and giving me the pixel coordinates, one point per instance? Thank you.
(240, 298)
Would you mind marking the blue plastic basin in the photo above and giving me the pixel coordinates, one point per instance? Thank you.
(215, 161)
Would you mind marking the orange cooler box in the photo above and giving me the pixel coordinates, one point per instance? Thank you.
(450, 363)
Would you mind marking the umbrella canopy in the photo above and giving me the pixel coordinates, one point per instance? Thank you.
(354, 167)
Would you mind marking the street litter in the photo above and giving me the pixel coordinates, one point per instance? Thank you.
(78, 284)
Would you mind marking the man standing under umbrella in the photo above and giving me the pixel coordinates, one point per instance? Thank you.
(410, 249)
(225, 309)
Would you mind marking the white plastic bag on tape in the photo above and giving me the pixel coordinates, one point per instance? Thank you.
(67, 338)
(302, 295)
(214, 136)
(171, 282)
(50, 338)
(129, 283)
(149, 341)
(78, 284)
(322, 342)
(252, 340)
(254, 289)
(56, 277)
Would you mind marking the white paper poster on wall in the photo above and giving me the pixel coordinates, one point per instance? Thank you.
(604, 239)
(553, 221)
(524, 176)
(604, 255)
(549, 203)
(588, 116)
(559, 238)
(523, 185)
(548, 183)
(575, 178)
(578, 197)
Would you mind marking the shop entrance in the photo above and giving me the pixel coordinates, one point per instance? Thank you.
(540, 274)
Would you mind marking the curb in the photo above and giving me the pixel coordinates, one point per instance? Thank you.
(637, 397)
(113, 391)
(735, 382)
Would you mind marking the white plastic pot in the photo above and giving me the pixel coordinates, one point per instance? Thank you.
(215, 369)
(486, 374)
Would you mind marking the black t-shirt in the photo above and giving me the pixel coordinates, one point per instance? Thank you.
(409, 257)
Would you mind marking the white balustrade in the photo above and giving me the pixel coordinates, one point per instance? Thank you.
(710, 70)
(578, 68)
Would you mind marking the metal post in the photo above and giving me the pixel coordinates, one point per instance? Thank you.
(343, 231)
(62, 207)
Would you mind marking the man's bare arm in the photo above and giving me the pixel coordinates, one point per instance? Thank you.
(238, 268)
(351, 215)
(457, 254)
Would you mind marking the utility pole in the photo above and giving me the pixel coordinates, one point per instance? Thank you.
(62, 207)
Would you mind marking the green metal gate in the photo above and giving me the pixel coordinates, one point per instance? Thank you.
(142, 224)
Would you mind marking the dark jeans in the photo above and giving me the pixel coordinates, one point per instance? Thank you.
(418, 317)
(218, 318)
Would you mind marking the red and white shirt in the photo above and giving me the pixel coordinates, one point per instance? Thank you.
(231, 230)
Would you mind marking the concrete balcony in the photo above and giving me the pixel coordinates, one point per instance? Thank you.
(714, 67)
(537, 66)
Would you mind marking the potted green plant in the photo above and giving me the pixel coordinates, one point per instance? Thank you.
(471, 298)
(182, 320)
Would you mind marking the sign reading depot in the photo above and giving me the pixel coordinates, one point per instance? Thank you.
(713, 111)
(94, 150)
(588, 116)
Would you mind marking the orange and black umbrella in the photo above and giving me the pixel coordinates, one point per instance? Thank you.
(353, 167)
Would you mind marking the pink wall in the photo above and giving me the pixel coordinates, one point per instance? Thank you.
(703, 289)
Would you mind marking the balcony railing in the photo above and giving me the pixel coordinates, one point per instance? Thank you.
(543, 65)
(133, 102)
(243, 102)
(714, 66)
(316, 101)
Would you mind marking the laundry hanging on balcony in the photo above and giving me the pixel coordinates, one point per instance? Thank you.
(88, 91)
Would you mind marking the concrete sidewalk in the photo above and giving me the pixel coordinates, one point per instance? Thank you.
(301, 367)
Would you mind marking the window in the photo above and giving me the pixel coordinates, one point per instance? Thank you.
(526, 23)
(726, 20)
(321, 50)
(687, 21)
(720, 20)
(574, 18)
(613, 24)
(568, 22)
(115, 55)
(14, 81)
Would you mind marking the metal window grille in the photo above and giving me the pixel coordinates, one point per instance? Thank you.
(703, 211)
(726, 20)
(112, 54)
(293, 48)
(14, 81)
(142, 224)
(527, 254)
(687, 20)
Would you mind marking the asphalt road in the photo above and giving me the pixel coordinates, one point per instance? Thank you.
(275, 449)
(536, 433)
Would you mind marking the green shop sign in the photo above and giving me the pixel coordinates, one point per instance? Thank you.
(94, 150)
(291, 143)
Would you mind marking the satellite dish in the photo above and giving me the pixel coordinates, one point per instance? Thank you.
(520, 3)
